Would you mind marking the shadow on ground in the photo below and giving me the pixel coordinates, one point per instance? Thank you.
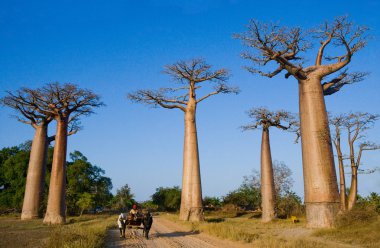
(175, 234)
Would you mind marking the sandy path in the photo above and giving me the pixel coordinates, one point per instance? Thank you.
(166, 234)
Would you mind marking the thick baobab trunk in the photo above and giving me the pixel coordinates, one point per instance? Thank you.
(267, 179)
(321, 189)
(353, 189)
(35, 179)
(191, 197)
(56, 206)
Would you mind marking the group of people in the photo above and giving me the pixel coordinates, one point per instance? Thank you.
(133, 216)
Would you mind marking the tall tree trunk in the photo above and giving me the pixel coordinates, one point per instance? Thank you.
(191, 198)
(267, 179)
(342, 180)
(321, 189)
(354, 176)
(35, 179)
(56, 206)
(353, 189)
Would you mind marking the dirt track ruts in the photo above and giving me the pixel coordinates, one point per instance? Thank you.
(165, 234)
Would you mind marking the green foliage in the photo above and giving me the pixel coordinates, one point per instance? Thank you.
(84, 178)
(248, 195)
(372, 201)
(245, 197)
(288, 205)
(86, 201)
(123, 199)
(13, 173)
(5, 153)
(167, 199)
(360, 214)
(212, 203)
(149, 205)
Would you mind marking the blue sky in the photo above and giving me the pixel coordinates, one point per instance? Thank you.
(117, 47)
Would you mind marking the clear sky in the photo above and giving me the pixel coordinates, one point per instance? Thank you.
(117, 47)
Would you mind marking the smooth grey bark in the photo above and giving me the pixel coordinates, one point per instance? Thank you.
(320, 182)
(56, 206)
(267, 179)
(35, 179)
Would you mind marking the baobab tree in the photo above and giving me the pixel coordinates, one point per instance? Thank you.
(356, 124)
(190, 75)
(28, 107)
(33, 112)
(264, 119)
(337, 123)
(65, 102)
(283, 47)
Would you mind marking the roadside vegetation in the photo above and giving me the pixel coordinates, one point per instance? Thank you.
(356, 229)
(79, 232)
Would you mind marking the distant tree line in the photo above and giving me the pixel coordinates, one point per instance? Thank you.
(87, 189)
(246, 197)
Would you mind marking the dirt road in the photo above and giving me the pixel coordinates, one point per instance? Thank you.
(166, 234)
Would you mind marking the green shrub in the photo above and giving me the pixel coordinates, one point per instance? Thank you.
(360, 214)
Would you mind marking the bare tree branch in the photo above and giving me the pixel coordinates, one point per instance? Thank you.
(264, 118)
(268, 42)
(220, 88)
(273, 43)
(343, 79)
(191, 74)
(345, 34)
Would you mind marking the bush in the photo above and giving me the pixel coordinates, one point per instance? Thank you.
(360, 214)
(288, 205)
(167, 199)
(212, 203)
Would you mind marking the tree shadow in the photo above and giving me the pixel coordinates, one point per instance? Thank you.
(215, 220)
(176, 234)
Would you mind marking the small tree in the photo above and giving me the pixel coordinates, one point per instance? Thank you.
(83, 177)
(191, 75)
(289, 204)
(271, 44)
(337, 122)
(283, 181)
(86, 201)
(248, 195)
(356, 124)
(263, 118)
(212, 203)
(123, 198)
(167, 199)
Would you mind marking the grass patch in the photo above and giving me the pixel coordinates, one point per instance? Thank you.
(358, 227)
(82, 232)
(86, 231)
(363, 231)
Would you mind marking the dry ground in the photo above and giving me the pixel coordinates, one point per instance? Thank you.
(217, 231)
(166, 234)
(14, 233)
